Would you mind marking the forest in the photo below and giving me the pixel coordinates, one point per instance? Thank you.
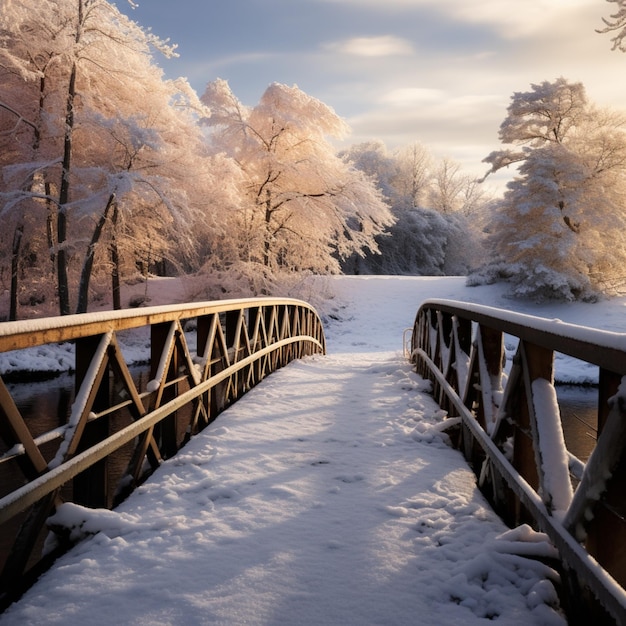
(111, 173)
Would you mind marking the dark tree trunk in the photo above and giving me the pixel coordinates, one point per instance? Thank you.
(64, 197)
(85, 275)
(267, 244)
(50, 236)
(115, 264)
(64, 192)
(15, 266)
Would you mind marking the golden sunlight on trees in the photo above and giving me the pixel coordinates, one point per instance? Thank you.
(558, 230)
(97, 147)
(303, 208)
(108, 168)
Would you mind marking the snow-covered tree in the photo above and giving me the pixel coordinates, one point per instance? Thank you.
(374, 160)
(422, 242)
(108, 156)
(546, 114)
(413, 177)
(558, 230)
(434, 205)
(305, 208)
(453, 191)
(17, 225)
(616, 22)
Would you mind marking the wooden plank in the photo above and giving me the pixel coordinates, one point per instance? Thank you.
(164, 361)
(13, 430)
(37, 332)
(91, 487)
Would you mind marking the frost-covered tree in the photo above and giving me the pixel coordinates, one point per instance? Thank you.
(616, 22)
(413, 177)
(17, 225)
(374, 160)
(547, 114)
(104, 169)
(422, 242)
(304, 207)
(558, 230)
(434, 205)
(453, 191)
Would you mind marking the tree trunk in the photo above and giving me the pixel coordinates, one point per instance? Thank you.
(115, 264)
(15, 263)
(64, 197)
(51, 214)
(85, 275)
(64, 192)
(268, 218)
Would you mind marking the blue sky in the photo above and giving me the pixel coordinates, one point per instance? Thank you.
(440, 72)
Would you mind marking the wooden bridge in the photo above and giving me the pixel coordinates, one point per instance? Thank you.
(505, 419)
(508, 426)
(238, 343)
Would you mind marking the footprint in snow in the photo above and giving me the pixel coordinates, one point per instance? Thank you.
(351, 479)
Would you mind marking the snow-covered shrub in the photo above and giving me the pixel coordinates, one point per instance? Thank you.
(538, 282)
(422, 242)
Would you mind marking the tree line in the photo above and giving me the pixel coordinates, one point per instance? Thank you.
(108, 167)
(110, 171)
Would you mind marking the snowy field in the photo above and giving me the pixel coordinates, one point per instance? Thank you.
(327, 495)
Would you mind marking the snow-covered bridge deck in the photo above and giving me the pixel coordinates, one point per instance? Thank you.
(324, 496)
(327, 495)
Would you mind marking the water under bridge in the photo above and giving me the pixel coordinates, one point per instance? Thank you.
(331, 493)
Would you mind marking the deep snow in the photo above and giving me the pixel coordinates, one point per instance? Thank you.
(327, 495)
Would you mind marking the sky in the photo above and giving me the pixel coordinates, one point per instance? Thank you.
(326, 495)
(437, 72)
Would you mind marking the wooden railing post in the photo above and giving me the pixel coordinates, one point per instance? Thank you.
(166, 432)
(91, 486)
(606, 530)
(490, 353)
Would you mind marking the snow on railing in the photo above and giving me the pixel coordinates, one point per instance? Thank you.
(113, 419)
(505, 417)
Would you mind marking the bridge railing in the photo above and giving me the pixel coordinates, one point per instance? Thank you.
(202, 357)
(505, 417)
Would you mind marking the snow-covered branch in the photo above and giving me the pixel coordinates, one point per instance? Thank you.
(616, 22)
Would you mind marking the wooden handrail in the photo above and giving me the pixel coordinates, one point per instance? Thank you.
(507, 422)
(239, 342)
(37, 332)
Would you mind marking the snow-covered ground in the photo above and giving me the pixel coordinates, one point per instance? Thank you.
(327, 495)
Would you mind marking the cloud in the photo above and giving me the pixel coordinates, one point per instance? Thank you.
(460, 126)
(382, 46)
(469, 117)
(537, 15)
(440, 72)
(411, 96)
(511, 19)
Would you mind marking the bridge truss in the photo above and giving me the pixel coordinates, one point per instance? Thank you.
(506, 420)
(201, 358)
